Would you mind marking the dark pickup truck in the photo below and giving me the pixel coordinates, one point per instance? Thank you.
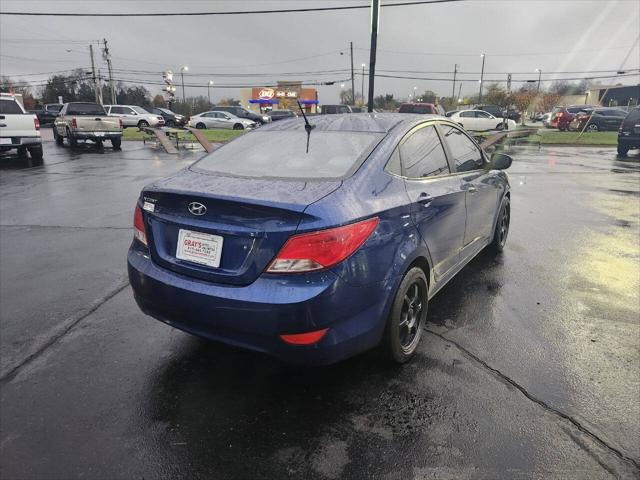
(47, 114)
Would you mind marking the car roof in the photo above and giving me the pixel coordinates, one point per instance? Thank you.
(354, 122)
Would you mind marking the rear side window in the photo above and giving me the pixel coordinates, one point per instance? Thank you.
(465, 153)
(85, 109)
(283, 154)
(10, 107)
(422, 154)
(573, 110)
(634, 115)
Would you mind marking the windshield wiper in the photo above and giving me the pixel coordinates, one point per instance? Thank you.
(307, 126)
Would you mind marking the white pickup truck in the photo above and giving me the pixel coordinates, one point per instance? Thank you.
(18, 129)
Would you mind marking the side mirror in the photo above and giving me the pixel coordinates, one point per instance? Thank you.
(500, 161)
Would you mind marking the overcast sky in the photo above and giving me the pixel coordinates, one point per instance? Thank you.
(516, 35)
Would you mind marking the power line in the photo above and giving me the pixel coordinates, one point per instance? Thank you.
(232, 12)
(593, 77)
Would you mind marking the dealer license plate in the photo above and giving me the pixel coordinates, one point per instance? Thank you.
(198, 247)
(5, 141)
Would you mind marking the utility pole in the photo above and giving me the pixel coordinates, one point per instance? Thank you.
(458, 99)
(375, 15)
(107, 57)
(93, 73)
(481, 78)
(353, 83)
(455, 71)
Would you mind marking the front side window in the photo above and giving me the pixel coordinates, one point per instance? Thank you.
(466, 154)
(468, 114)
(483, 115)
(422, 154)
(140, 110)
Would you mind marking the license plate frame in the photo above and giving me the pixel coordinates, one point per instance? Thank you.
(199, 248)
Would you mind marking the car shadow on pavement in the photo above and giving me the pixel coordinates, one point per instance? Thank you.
(212, 405)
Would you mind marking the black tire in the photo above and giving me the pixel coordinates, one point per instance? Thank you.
(407, 317)
(561, 129)
(71, 139)
(59, 140)
(22, 153)
(238, 126)
(500, 126)
(623, 150)
(200, 126)
(143, 123)
(116, 143)
(99, 143)
(170, 123)
(36, 154)
(592, 127)
(501, 231)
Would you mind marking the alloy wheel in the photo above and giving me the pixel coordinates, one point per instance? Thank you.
(504, 226)
(411, 315)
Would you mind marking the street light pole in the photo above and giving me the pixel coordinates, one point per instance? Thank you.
(539, 77)
(209, 90)
(182, 70)
(481, 78)
(362, 88)
(353, 82)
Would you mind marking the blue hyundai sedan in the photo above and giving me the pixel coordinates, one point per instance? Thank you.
(314, 242)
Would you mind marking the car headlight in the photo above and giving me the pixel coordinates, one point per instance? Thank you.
(265, 118)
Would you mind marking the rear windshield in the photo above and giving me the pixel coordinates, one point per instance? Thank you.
(85, 109)
(574, 109)
(10, 107)
(283, 154)
(422, 109)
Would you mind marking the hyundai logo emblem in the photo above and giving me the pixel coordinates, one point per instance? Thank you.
(196, 208)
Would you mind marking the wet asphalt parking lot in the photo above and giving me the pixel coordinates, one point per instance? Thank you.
(530, 366)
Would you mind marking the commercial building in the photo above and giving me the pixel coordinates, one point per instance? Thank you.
(614, 95)
(280, 97)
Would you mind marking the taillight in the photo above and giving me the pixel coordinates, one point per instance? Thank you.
(308, 338)
(138, 226)
(621, 126)
(317, 250)
(36, 122)
(120, 122)
(74, 123)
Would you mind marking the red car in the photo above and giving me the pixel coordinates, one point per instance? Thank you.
(561, 117)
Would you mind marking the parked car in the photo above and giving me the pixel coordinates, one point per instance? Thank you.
(358, 109)
(335, 109)
(561, 117)
(257, 118)
(478, 120)
(629, 132)
(48, 113)
(315, 246)
(598, 119)
(215, 119)
(282, 114)
(422, 108)
(134, 116)
(450, 112)
(87, 121)
(546, 118)
(171, 119)
(19, 130)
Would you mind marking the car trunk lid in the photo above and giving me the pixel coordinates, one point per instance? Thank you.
(88, 123)
(254, 217)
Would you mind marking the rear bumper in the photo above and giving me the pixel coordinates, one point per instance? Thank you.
(631, 140)
(95, 135)
(20, 142)
(254, 316)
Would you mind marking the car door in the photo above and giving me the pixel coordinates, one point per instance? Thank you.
(485, 121)
(225, 120)
(483, 187)
(437, 198)
(468, 119)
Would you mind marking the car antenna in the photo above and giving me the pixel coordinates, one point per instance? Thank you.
(307, 126)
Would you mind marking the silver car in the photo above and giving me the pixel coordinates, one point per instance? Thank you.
(134, 116)
(220, 120)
